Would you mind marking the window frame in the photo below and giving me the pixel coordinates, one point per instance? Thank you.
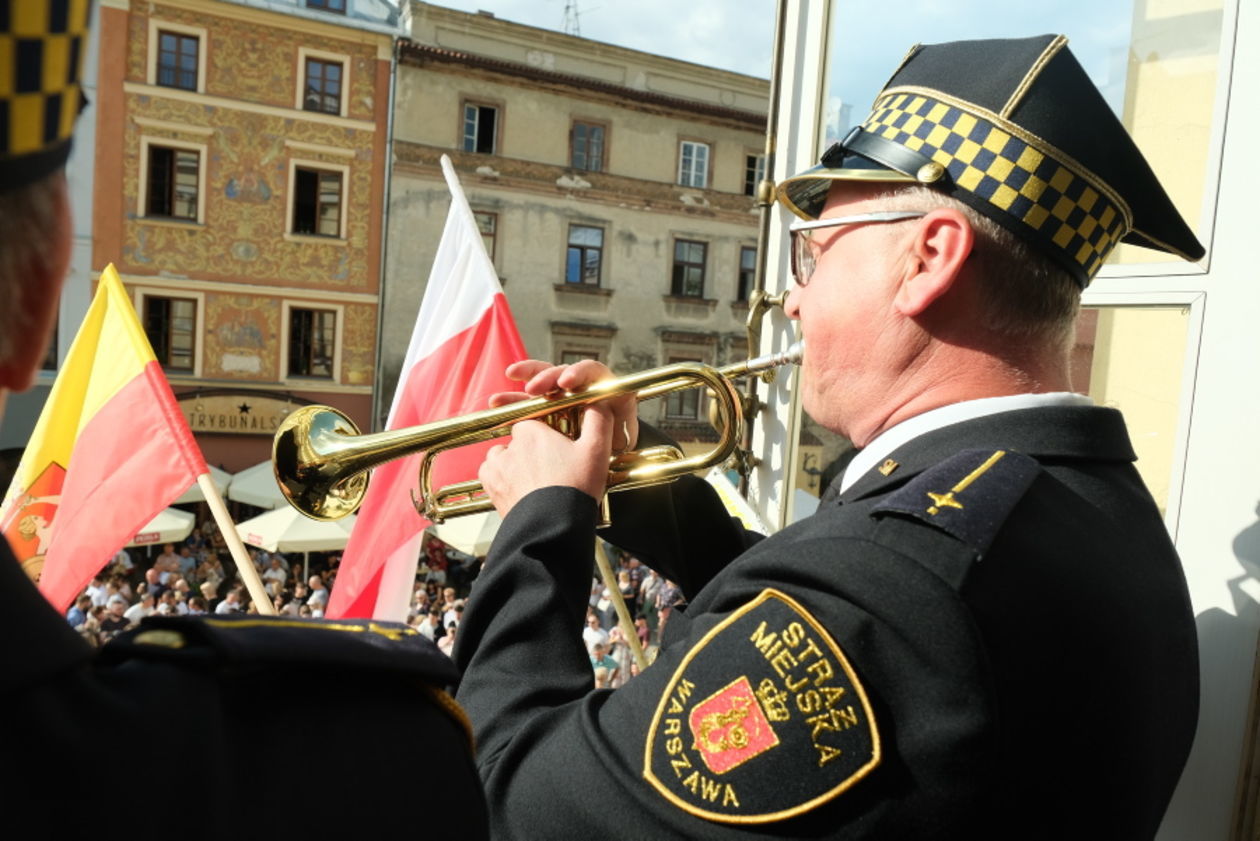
(147, 144)
(493, 235)
(757, 172)
(305, 55)
(582, 250)
(675, 288)
(708, 163)
(744, 292)
(286, 337)
(328, 6)
(142, 295)
(156, 28)
(343, 171)
(689, 395)
(604, 128)
(496, 141)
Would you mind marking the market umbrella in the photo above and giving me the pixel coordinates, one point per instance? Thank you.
(471, 534)
(287, 530)
(221, 479)
(257, 486)
(170, 526)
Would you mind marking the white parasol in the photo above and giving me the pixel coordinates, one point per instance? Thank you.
(257, 486)
(170, 526)
(221, 478)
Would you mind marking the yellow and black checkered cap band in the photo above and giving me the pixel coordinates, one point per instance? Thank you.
(1074, 217)
(42, 43)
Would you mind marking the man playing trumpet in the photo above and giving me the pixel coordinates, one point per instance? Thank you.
(984, 631)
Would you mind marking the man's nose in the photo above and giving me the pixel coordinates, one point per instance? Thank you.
(792, 304)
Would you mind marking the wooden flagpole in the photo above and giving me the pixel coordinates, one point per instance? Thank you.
(236, 548)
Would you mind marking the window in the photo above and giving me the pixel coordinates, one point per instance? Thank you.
(170, 324)
(586, 253)
(568, 357)
(173, 179)
(488, 224)
(754, 172)
(689, 258)
(588, 146)
(177, 60)
(323, 86)
(747, 272)
(693, 164)
(312, 342)
(327, 5)
(684, 405)
(316, 202)
(480, 123)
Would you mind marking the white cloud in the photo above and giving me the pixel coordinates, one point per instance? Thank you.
(732, 35)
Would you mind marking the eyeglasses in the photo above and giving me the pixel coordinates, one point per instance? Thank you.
(804, 256)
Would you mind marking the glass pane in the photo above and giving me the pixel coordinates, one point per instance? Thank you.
(1133, 358)
(582, 235)
(1154, 61)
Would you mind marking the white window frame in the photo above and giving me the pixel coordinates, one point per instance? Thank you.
(200, 33)
(464, 104)
(687, 178)
(320, 55)
(306, 163)
(286, 312)
(201, 149)
(140, 294)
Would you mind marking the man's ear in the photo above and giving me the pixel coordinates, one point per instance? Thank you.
(39, 301)
(935, 256)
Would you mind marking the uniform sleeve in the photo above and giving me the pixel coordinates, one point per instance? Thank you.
(770, 717)
(681, 528)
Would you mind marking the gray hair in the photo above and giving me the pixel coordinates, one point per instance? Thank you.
(1027, 295)
(27, 215)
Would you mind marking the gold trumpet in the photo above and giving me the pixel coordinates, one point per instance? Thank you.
(322, 461)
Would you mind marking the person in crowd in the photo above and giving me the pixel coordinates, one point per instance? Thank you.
(896, 665)
(431, 623)
(233, 602)
(275, 576)
(447, 642)
(144, 607)
(593, 634)
(114, 621)
(78, 612)
(318, 593)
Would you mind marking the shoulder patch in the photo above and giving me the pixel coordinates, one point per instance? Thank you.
(968, 495)
(765, 696)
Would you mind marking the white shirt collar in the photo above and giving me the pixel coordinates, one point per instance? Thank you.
(890, 439)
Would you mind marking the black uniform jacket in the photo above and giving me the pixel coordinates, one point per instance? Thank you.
(988, 636)
(229, 727)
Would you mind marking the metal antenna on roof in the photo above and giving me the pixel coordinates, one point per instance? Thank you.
(572, 26)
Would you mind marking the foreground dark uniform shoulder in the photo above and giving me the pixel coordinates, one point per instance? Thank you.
(273, 728)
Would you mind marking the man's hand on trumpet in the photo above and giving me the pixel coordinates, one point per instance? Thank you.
(537, 456)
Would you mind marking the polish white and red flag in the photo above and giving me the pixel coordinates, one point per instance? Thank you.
(463, 340)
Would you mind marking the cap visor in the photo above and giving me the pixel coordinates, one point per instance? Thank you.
(806, 193)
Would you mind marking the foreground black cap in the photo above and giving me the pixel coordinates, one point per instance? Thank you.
(42, 43)
(1015, 129)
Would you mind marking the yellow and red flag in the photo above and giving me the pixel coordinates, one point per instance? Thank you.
(111, 450)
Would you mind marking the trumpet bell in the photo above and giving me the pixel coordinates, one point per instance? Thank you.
(312, 482)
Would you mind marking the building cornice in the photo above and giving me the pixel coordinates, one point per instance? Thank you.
(420, 55)
(597, 187)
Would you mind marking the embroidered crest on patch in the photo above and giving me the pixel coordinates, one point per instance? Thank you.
(762, 720)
